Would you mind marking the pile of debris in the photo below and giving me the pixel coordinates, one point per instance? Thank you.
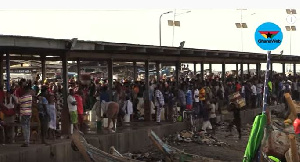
(280, 139)
(189, 136)
(152, 156)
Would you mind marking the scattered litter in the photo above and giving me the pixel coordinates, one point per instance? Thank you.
(201, 137)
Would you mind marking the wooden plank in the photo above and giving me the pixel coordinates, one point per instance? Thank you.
(294, 150)
(292, 106)
(97, 155)
(80, 146)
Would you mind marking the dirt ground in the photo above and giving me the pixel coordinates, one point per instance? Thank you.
(232, 153)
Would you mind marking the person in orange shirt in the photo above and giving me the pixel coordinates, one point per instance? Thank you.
(297, 126)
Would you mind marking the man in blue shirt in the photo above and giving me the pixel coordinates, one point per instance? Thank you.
(104, 95)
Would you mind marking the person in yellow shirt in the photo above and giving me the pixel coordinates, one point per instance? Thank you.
(202, 101)
(202, 94)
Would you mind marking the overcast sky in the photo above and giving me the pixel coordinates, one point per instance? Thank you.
(202, 28)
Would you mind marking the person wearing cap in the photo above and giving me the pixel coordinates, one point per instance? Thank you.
(72, 105)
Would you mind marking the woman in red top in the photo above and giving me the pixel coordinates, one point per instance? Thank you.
(78, 99)
(297, 125)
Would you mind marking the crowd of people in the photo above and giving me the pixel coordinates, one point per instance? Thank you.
(42, 102)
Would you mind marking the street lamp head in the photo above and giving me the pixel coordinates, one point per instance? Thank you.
(168, 12)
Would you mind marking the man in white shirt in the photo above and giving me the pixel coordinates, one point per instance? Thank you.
(196, 101)
(159, 102)
(259, 89)
(72, 105)
(253, 95)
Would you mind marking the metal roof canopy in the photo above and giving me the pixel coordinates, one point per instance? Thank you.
(29, 48)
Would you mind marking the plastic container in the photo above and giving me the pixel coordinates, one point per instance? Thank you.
(127, 118)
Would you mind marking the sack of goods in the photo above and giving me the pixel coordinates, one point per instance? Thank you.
(233, 97)
(241, 102)
(237, 98)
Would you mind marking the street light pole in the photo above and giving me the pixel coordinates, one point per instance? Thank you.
(242, 27)
(174, 23)
(160, 25)
(291, 19)
(173, 27)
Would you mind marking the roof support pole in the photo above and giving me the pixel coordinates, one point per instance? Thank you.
(258, 67)
(248, 68)
(65, 122)
(1, 70)
(110, 78)
(195, 69)
(237, 71)
(147, 102)
(210, 68)
(283, 68)
(7, 72)
(271, 69)
(294, 69)
(134, 71)
(242, 72)
(178, 68)
(43, 62)
(78, 69)
(157, 71)
(202, 71)
(223, 72)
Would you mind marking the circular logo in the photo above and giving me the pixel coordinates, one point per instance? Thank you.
(268, 36)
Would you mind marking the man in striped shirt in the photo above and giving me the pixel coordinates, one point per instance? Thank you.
(25, 102)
